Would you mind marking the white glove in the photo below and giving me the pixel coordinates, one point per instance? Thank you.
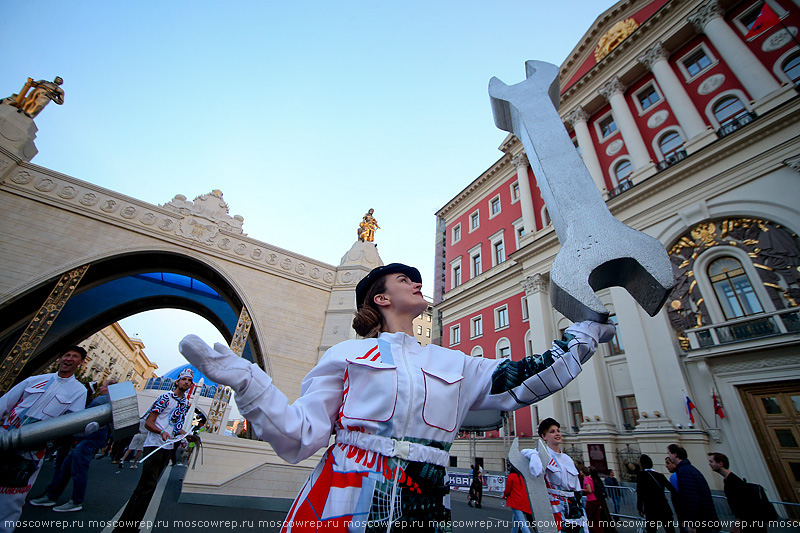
(534, 462)
(587, 335)
(220, 364)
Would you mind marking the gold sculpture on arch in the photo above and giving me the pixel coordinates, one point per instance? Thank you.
(34, 95)
(367, 227)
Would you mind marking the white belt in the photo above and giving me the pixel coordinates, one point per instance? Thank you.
(410, 451)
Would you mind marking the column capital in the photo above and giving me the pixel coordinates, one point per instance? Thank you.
(520, 160)
(703, 14)
(576, 115)
(610, 88)
(535, 284)
(653, 55)
(793, 163)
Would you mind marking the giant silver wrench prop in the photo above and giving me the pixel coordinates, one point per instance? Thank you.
(538, 496)
(597, 250)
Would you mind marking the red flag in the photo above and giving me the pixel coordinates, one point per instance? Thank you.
(689, 407)
(717, 405)
(766, 19)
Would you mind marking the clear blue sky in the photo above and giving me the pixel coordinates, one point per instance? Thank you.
(305, 114)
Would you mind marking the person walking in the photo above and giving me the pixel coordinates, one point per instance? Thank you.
(593, 503)
(613, 490)
(650, 500)
(516, 499)
(695, 505)
(747, 501)
(394, 406)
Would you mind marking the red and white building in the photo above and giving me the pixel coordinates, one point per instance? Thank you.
(690, 130)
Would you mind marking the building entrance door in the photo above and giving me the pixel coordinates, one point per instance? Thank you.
(774, 412)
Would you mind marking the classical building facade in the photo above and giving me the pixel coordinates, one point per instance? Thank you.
(689, 130)
(423, 326)
(111, 353)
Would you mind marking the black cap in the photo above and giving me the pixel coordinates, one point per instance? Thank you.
(376, 273)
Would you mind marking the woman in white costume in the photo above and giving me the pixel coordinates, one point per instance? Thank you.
(561, 478)
(394, 406)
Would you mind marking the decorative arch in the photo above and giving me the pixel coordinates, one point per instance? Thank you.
(773, 252)
(709, 110)
(502, 343)
(477, 351)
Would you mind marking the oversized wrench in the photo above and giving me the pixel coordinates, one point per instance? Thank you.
(538, 496)
(597, 250)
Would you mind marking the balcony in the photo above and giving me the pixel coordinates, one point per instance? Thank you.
(621, 188)
(671, 159)
(743, 329)
(735, 124)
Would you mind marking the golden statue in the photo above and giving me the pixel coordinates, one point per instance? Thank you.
(41, 93)
(367, 227)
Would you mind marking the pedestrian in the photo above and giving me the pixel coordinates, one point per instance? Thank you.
(76, 464)
(562, 479)
(613, 490)
(395, 407)
(164, 422)
(695, 505)
(29, 401)
(516, 499)
(650, 500)
(476, 487)
(136, 446)
(593, 503)
(747, 501)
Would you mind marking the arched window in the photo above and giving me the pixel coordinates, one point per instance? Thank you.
(733, 289)
(622, 170)
(503, 348)
(476, 352)
(729, 109)
(669, 143)
(792, 67)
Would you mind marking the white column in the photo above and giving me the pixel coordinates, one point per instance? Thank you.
(541, 325)
(525, 197)
(754, 76)
(655, 59)
(578, 118)
(613, 91)
(594, 408)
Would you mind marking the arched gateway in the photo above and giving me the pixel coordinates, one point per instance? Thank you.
(77, 257)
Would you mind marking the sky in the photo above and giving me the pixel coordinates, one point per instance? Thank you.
(305, 114)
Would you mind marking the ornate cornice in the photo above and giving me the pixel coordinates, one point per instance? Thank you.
(610, 88)
(576, 115)
(535, 284)
(653, 55)
(703, 14)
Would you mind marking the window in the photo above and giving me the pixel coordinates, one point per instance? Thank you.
(607, 126)
(456, 276)
(728, 109)
(791, 67)
(476, 265)
(501, 317)
(524, 302)
(477, 326)
(733, 289)
(503, 348)
(615, 347)
(696, 62)
(428, 332)
(419, 330)
(519, 231)
(494, 206)
(428, 318)
(749, 18)
(455, 335)
(515, 191)
(474, 221)
(669, 143)
(499, 252)
(576, 409)
(622, 170)
(647, 97)
(476, 352)
(630, 413)
(456, 233)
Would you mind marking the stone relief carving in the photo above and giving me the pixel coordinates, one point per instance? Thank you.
(272, 259)
(657, 118)
(68, 193)
(241, 248)
(286, 264)
(779, 39)
(614, 147)
(711, 84)
(45, 185)
(328, 277)
(210, 207)
(167, 224)
(257, 254)
(22, 177)
(109, 206)
(225, 244)
(300, 268)
(148, 219)
(129, 212)
(315, 273)
(89, 199)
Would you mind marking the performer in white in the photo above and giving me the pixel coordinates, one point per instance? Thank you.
(31, 400)
(394, 406)
(561, 478)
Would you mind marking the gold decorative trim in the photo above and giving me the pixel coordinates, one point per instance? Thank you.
(38, 327)
(613, 37)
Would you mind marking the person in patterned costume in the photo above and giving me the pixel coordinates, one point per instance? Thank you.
(394, 407)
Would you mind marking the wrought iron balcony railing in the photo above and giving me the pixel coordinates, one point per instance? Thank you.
(735, 124)
(743, 329)
(671, 159)
(619, 189)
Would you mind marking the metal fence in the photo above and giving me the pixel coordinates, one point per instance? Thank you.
(622, 504)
